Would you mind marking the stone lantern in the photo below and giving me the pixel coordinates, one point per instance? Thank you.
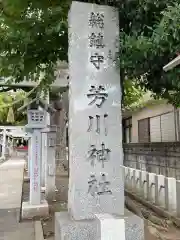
(37, 121)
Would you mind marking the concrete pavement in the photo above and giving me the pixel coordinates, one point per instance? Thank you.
(11, 183)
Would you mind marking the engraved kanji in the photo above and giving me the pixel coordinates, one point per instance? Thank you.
(104, 186)
(97, 60)
(101, 187)
(98, 94)
(96, 20)
(100, 155)
(96, 40)
(94, 124)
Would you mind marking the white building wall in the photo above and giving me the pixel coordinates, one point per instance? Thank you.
(155, 111)
(168, 127)
(155, 129)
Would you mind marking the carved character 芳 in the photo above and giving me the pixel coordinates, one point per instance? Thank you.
(97, 93)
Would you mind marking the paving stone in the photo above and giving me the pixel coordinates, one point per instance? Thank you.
(11, 182)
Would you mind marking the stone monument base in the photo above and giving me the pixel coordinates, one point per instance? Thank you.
(43, 189)
(26, 179)
(31, 211)
(69, 229)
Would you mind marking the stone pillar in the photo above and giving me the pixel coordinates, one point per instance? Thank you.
(95, 133)
(178, 198)
(29, 155)
(62, 126)
(35, 168)
(50, 170)
(96, 183)
(36, 206)
(170, 194)
(160, 189)
(151, 187)
(4, 143)
(61, 144)
(59, 120)
(44, 144)
(44, 158)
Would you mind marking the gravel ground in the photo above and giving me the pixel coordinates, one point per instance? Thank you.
(161, 228)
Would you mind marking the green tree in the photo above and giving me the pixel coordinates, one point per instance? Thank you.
(34, 36)
(132, 93)
(149, 39)
(4, 100)
(8, 110)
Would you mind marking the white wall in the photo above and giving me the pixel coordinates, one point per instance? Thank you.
(155, 129)
(168, 127)
(152, 111)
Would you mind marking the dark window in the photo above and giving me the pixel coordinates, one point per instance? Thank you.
(144, 130)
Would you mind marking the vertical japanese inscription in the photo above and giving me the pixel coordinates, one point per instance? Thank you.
(97, 95)
(96, 20)
(97, 59)
(96, 40)
(98, 155)
(98, 187)
(94, 124)
(36, 169)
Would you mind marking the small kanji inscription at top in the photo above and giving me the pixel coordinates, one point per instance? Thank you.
(96, 20)
(96, 40)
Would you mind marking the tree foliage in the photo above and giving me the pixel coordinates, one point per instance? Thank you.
(132, 93)
(33, 37)
(7, 99)
(149, 39)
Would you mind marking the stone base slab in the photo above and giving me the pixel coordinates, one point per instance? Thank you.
(43, 189)
(69, 229)
(30, 211)
(38, 230)
(26, 179)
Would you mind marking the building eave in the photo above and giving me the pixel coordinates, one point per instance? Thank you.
(151, 102)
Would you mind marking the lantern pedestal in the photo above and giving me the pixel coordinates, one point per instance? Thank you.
(26, 179)
(36, 206)
(35, 210)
